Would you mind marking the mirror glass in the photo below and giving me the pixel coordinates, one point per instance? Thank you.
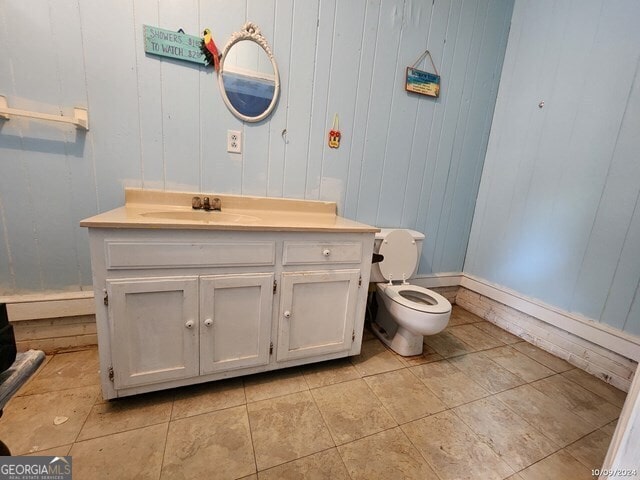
(249, 76)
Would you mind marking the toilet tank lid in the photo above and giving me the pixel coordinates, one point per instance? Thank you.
(385, 231)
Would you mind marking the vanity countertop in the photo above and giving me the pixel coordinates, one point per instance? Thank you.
(172, 210)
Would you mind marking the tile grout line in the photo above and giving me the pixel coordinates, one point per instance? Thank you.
(253, 447)
(326, 424)
(433, 467)
(164, 450)
(166, 435)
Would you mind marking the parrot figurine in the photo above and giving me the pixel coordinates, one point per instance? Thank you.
(209, 49)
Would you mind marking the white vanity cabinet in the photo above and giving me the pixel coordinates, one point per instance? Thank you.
(154, 330)
(235, 321)
(180, 327)
(176, 306)
(318, 305)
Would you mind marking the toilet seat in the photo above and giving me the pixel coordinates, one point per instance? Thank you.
(394, 292)
(400, 246)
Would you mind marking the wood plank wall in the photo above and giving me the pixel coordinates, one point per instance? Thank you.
(405, 160)
(558, 213)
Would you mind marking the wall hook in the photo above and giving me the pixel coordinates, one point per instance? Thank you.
(541, 104)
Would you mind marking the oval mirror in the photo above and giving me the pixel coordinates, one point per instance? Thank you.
(249, 80)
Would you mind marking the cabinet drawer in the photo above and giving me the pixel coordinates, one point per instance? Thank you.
(121, 254)
(305, 253)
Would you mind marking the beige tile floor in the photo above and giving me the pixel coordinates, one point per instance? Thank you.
(478, 404)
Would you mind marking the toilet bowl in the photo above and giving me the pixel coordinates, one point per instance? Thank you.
(406, 313)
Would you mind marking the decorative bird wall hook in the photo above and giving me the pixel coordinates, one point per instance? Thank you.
(209, 49)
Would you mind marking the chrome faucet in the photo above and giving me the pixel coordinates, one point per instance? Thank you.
(207, 204)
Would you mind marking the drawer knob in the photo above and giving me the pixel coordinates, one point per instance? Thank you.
(287, 314)
(189, 324)
(326, 252)
(208, 322)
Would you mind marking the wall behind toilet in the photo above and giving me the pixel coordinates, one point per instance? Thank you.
(405, 160)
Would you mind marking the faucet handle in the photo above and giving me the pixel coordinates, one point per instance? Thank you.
(216, 204)
(196, 203)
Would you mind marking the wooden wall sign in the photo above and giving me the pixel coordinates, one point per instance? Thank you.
(166, 43)
(421, 82)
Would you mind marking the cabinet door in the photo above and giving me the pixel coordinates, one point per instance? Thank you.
(317, 313)
(235, 315)
(154, 325)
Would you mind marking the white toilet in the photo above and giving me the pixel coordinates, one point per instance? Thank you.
(405, 312)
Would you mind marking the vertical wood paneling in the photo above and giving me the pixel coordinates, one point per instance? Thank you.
(256, 135)
(456, 111)
(7, 281)
(319, 117)
(282, 48)
(8, 160)
(632, 325)
(405, 160)
(598, 117)
(555, 215)
(615, 210)
(480, 71)
(420, 172)
(80, 195)
(363, 102)
(300, 91)
(149, 76)
(15, 191)
(43, 148)
(397, 153)
(438, 155)
(345, 66)
(474, 143)
(626, 281)
(222, 171)
(524, 95)
(180, 102)
(382, 87)
(108, 35)
(429, 138)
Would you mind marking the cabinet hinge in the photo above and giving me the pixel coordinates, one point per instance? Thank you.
(106, 298)
(271, 348)
(353, 336)
(275, 286)
(360, 281)
(111, 374)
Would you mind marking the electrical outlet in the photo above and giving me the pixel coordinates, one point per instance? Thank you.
(234, 141)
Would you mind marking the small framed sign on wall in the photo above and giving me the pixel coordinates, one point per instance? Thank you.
(419, 81)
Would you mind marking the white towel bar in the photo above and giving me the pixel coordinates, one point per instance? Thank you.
(80, 115)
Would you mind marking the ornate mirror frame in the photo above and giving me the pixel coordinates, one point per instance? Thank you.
(250, 31)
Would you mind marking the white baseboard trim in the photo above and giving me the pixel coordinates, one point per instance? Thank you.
(610, 338)
(57, 305)
(452, 279)
(70, 304)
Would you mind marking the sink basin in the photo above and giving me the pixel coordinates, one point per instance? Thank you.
(202, 216)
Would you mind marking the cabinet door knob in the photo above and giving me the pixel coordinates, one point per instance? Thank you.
(208, 322)
(326, 252)
(287, 314)
(189, 324)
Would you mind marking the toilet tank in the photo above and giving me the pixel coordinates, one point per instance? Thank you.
(376, 276)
